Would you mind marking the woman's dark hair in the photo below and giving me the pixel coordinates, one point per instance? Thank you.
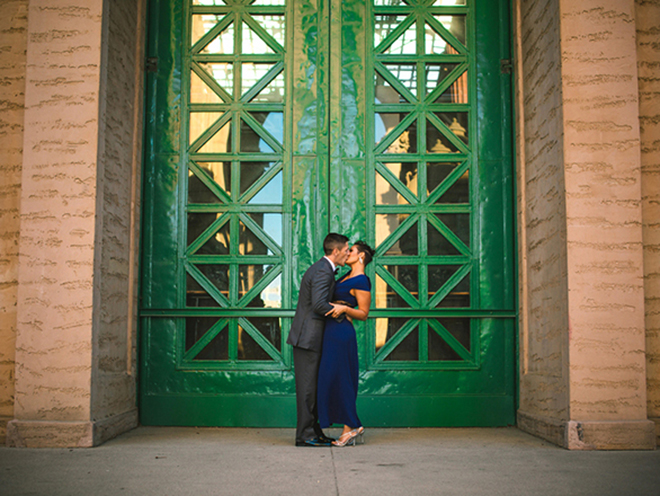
(366, 250)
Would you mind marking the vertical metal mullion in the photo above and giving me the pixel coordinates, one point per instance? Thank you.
(423, 341)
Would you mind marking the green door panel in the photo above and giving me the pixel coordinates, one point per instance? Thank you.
(270, 123)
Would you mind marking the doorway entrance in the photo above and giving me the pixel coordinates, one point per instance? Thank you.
(271, 123)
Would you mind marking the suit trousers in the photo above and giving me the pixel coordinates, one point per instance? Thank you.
(306, 368)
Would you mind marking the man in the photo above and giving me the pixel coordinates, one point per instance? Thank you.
(306, 336)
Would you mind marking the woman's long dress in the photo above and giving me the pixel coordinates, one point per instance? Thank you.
(338, 371)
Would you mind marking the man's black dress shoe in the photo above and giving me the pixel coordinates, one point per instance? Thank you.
(314, 443)
(326, 439)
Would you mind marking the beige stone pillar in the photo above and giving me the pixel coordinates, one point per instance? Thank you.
(598, 346)
(75, 381)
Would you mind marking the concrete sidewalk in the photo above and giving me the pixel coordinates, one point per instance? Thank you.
(408, 462)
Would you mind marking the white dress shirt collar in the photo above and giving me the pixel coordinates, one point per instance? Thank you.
(331, 264)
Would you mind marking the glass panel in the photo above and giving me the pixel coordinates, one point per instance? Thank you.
(386, 328)
(406, 73)
(389, 3)
(209, 2)
(273, 92)
(455, 25)
(386, 194)
(407, 350)
(406, 244)
(270, 328)
(220, 142)
(217, 349)
(404, 44)
(271, 193)
(459, 225)
(457, 92)
(196, 296)
(251, 142)
(460, 329)
(252, 43)
(221, 44)
(438, 244)
(448, 2)
(251, 73)
(436, 73)
(251, 172)
(459, 192)
(249, 275)
(385, 93)
(457, 122)
(436, 172)
(406, 172)
(386, 297)
(218, 274)
(273, 122)
(439, 349)
(459, 295)
(385, 123)
(196, 327)
(407, 275)
(222, 72)
(273, 24)
(248, 349)
(200, 122)
(268, 2)
(384, 25)
(249, 243)
(406, 142)
(386, 224)
(200, 92)
(436, 142)
(198, 223)
(271, 296)
(439, 275)
(271, 223)
(220, 172)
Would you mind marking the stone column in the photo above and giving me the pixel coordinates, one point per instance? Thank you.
(602, 346)
(75, 381)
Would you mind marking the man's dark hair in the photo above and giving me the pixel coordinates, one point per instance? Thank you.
(332, 241)
(366, 250)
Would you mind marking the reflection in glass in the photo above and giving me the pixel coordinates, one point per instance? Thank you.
(200, 222)
(439, 275)
(457, 92)
(220, 172)
(438, 244)
(273, 24)
(218, 274)
(222, 43)
(407, 275)
(406, 142)
(436, 142)
(196, 296)
(217, 349)
(448, 2)
(436, 172)
(220, 142)
(460, 329)
(252, 42)
(386, 328)
(200, 92)
(389, 3)
(273, 92)
(271, 296)
(386, 224)
(218, 244)
(273, 122)
(251, 172)
(270, 223)
(200, 122)
(386, 194)
(386, 297)
(457, 122)
(385, 93)
(209, 2)
(436, 73)
(384, 25)
(455, 24)
(268, 2)
(270, 194)
(270, 328)
(248, 276)
(249, 243)
(439, 350)
(459, 296)
(222, 72)
(459, 192)
(459, 224)
(404, 44)
(247, 347)
(406, 244)
(251, 73)
(407, 350)
(406, 172)
(196, 327)
(406, 74)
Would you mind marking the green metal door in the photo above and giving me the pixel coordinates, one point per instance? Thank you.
(272, 122)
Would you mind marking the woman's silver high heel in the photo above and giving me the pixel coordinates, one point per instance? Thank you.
(350, 438)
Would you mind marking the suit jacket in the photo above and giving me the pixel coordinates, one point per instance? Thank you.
(316, 290)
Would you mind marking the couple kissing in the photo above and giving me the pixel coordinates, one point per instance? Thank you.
(324, 344)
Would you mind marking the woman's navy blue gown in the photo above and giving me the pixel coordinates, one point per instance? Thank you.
(338, 371)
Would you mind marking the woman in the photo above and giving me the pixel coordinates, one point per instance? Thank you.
(338, 371)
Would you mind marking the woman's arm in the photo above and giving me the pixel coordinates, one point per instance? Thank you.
(359, 313)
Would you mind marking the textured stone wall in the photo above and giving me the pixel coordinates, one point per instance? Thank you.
(120, 130)
(647, 13)
(13, 41)
(542, 213)
(58, 205)
(603, 210)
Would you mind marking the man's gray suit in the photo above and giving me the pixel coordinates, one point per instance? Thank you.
(306, 337)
